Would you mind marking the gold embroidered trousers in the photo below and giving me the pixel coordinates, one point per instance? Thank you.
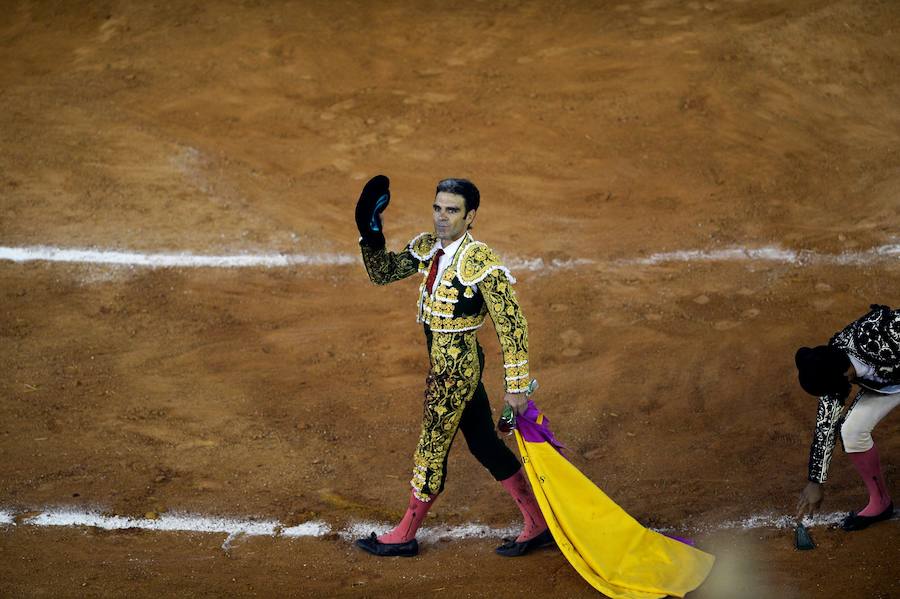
(455, 399)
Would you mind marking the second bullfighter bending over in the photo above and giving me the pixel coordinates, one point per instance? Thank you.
(463, 281)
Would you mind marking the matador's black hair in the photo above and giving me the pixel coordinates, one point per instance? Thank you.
(464, 188)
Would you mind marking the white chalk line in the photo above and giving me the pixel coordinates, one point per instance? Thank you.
(235, 528)
(268, 260)
(431, 534)
(189, 260)
(169, 260)
(772, 254)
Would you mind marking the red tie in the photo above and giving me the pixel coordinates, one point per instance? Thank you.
(432, 274)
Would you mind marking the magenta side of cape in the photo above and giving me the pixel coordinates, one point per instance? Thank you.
(532, 432)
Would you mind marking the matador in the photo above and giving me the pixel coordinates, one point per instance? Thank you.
(866, 353)
(462, 282)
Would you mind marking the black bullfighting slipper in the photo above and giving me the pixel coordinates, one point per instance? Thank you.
(856, 522)
(513, 549)
(376, 547)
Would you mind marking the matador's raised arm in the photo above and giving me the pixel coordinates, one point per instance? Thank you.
(386, 267)
(383, 266)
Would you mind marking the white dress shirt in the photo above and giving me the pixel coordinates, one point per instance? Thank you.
(866, 372)
(446, 258)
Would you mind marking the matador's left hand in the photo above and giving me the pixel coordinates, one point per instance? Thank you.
(517, 401)
(810, 499)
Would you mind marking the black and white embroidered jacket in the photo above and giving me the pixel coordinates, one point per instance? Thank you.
(874, 340)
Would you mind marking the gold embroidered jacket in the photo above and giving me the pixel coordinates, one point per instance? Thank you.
(474, 284)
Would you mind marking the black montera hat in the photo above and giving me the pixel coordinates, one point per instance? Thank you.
(822, 370)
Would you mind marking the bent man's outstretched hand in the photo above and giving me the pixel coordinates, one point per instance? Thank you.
(375, 197)
(810, 499)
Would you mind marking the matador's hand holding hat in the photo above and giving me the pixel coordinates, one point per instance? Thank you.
(375, 197)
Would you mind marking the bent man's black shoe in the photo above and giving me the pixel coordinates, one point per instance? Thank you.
(856, 522)
(376, 547)
(514, 549)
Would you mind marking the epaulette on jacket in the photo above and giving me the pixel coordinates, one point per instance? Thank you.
(874, 339)
(423, 246)
(477, 261)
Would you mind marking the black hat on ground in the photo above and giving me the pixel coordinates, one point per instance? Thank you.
(823, 370)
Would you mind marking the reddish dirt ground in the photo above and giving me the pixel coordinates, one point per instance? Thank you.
(595, 130)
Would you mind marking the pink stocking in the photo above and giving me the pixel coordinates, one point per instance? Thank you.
(518, 487)
(869, 468)
(412, 520)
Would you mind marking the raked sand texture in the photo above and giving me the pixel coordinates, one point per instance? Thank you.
(686, 191)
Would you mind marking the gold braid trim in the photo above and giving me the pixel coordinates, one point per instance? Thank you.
(423, 246)
(512, 328)
(455, 325)
(476, 262)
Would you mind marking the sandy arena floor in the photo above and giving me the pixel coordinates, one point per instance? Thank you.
(609, 140)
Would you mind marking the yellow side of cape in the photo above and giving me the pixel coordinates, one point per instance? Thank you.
(610, 549)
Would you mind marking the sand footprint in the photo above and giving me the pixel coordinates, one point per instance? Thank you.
(342, 164)
(572, 341)
(429, 98)
(343, 105)
(822, 304)
(552, 51)
(110, 28)
(478, 53)
(430, 72)
(330, 113)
